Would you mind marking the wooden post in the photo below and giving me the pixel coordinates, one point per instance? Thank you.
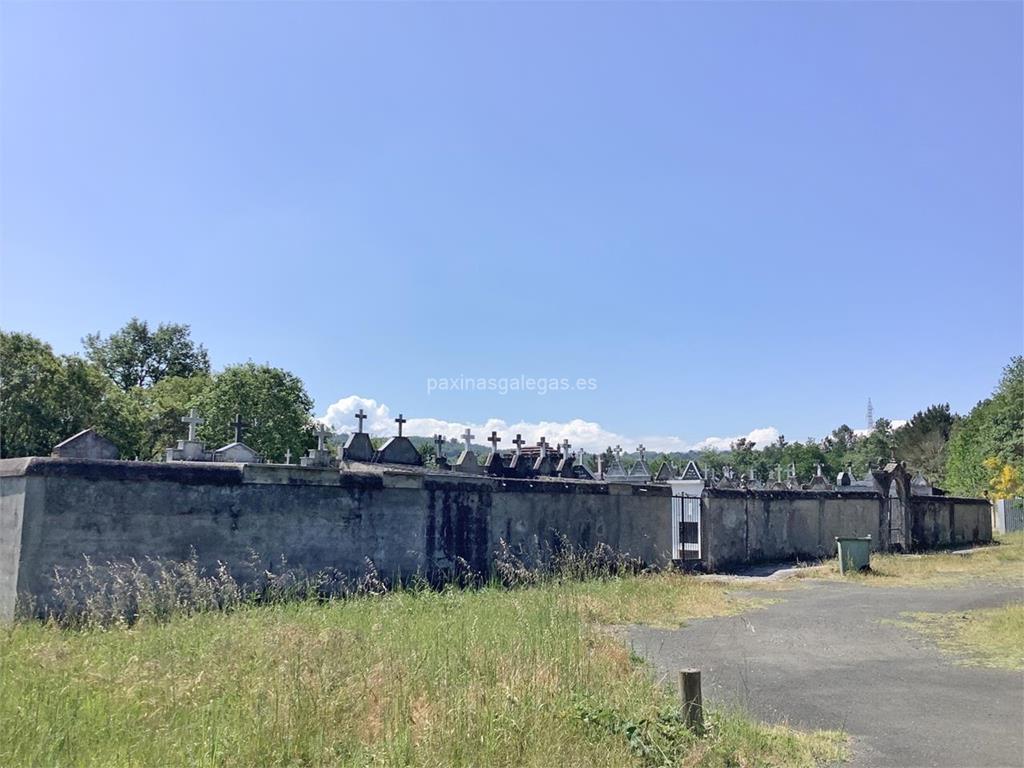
(689, 694)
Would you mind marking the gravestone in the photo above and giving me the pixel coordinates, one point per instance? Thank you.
(494, 465)
(319, 456)
(640, 472)
(440, 460)
(846, 478)
(792, 483)
(665, 472)
(579, 468)
(237, 453)
(819, 482)
(358, 447)
(615, 473)
(190, 449)
(87, 444)
(467, 459)
(543, 465)
(751, 483)
(566, 460)
(399, 449)
(520, 465)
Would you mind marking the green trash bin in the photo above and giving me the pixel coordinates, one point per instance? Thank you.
(854, 553)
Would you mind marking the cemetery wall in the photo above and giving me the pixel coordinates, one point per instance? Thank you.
(741, 526)
(55, 511)
(946, 521)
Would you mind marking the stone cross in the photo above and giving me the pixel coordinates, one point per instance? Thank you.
(792, 469)
(819, 469)
(321, 434)
(641, 450)
(618, 451)
(193, 421)
(468, 436)
(583, 455)
(288, 456)
(494, 440)
(360, 416)
(239, 426)
(600, 465)
(519, 443)
(565, 447)
(400, 421)
(543, 445)
(439, 441)
(778, 472)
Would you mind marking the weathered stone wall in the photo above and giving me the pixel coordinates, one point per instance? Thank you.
(761, 526)
(946, 521)
(55, 511)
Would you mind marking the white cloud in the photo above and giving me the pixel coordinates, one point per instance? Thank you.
(894, 423)
(588, 435)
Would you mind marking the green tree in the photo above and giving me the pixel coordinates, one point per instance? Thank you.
(30, 375)
(922, 441)
(988, 445)
(875, 447)
(135, 356)
(163, 405)
(45, 398)
(272, 401)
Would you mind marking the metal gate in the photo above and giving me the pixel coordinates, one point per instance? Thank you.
(897, 520)
(686, 528)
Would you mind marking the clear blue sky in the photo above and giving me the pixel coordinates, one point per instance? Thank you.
(730, 215)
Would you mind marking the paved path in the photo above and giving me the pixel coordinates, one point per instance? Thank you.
(825, 658)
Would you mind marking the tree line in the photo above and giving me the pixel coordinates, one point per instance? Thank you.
(979, 454)
(134, 385)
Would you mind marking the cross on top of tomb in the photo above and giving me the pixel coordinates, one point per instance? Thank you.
(494, 440)
(288, 456)
(439, 441)
(321, 435)
(543, 445)
(400, 421)
(519, 443)
(565, 447)
(360, 416)
(193, 420)
(618, 451)
(467, 437)
(239, 426)
(641, 450)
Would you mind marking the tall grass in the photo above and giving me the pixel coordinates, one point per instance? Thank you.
(417, 676)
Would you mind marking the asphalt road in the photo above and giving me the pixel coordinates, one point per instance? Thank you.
(825, 657)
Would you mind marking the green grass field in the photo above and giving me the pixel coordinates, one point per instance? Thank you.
(488, 677)
(993, 637)
(1001, 562)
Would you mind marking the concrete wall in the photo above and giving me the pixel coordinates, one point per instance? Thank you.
(947, 521)
(55, 511)
(761, 526)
